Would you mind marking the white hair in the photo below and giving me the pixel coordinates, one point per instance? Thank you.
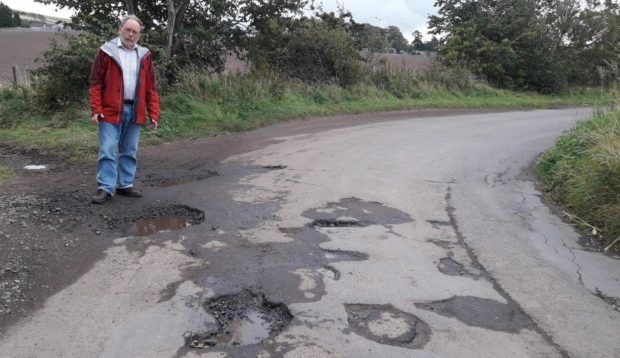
(132, 17)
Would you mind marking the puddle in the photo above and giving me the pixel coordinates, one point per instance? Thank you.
(450, 267)
(241, 319)
(157, 219)
(145, 227)
(480, 312)
(387, 325)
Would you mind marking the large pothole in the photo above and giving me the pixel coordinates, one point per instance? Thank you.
(387, 325)
(241, 319)
(156, 220)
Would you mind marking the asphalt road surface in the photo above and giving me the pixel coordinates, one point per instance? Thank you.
(416, 237)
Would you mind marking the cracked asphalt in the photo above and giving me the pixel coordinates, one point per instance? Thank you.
(413, 234)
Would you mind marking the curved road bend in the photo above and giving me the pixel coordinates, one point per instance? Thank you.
(423, 237)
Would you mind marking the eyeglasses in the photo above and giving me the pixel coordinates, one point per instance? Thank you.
(130, 31)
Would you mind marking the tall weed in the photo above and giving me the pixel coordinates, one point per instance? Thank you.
(583, 171)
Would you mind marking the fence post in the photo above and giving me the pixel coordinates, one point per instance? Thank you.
(14, 75)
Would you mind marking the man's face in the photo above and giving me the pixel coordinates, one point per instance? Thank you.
(129, 33)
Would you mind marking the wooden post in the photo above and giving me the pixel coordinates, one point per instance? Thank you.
(14, 75)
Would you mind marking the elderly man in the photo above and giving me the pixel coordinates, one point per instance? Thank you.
(122, 90)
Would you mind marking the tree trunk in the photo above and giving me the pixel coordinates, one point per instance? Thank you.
(176, 12)
(131, 6)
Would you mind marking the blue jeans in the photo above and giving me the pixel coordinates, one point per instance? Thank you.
(113, 173)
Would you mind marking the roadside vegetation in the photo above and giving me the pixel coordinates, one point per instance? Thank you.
(582, 172)
(205, 105)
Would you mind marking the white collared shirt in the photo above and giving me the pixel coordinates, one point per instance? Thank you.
(129, 66)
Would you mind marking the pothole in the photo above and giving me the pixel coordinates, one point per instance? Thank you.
(275, 167)
(330, 271)
(340, 222)
(480, 312)
(387, 325)
(343, 255)
(354, 212)
(145, 227)
(172, 180)
(439, 223)
(450, 267)
(242, 319)
(158, 219)
(614, 302)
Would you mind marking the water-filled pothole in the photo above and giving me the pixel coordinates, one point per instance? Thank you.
(387, 325)
(158, 219)
(145, 227)
(242, 319)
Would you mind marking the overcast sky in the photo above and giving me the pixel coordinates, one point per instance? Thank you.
(408, 15)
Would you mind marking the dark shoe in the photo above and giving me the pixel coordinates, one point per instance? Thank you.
(131, 191)
(101, 197)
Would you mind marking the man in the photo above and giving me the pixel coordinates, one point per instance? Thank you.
(122, 90)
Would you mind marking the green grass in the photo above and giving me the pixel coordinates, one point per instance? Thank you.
(205, 106)
(6, 175)
(582, 171)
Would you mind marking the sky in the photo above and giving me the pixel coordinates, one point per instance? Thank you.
(408, 15)
(37, 8)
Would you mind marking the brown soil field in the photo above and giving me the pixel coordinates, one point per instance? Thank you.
(20, 48)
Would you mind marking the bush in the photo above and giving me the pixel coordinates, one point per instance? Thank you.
(310, 50)
(14, 101)
(62, 80)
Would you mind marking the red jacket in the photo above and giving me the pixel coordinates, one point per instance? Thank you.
(106, 86)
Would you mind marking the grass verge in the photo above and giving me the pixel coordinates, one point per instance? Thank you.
(204, 106)
(582, 172)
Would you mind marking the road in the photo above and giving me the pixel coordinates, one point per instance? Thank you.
(416, 237)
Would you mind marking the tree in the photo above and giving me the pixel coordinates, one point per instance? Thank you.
(317, 49)
(189, 32)
(7, 17)
(395, 38)
(508, 42)
(370, 37)
(417, 43)
(595, 42)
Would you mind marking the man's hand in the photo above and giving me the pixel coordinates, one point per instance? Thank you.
(152, 124)
(95, 118)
